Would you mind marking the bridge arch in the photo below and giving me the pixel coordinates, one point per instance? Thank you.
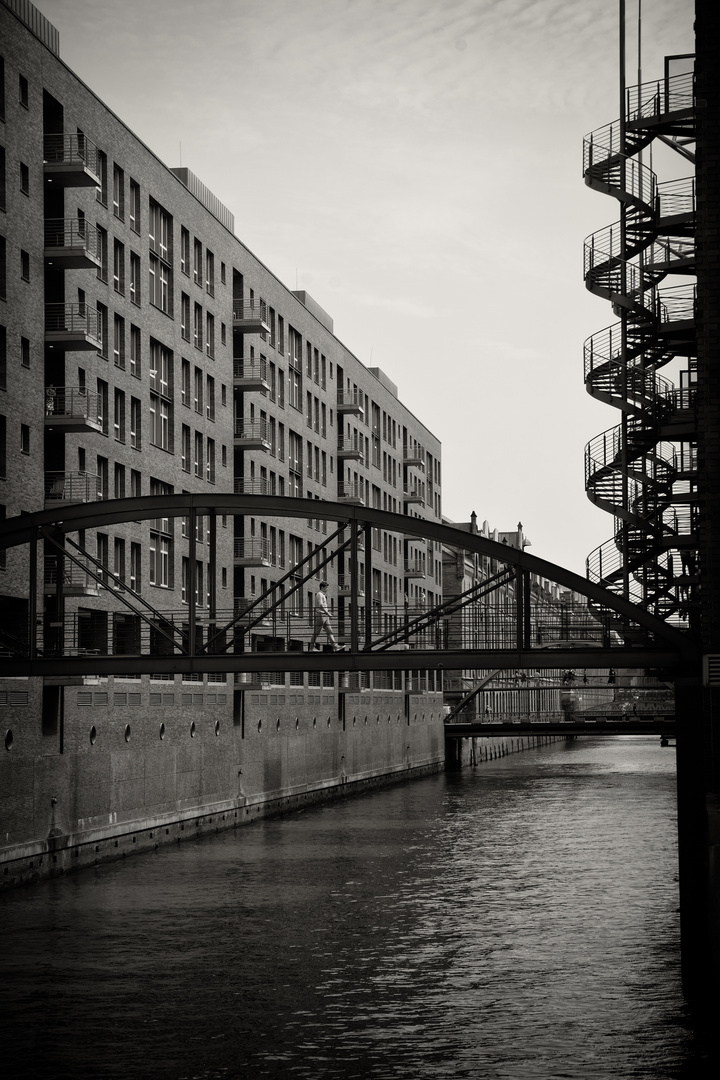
(663, 644)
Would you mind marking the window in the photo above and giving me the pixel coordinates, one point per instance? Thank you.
(3, 273)
(3, 445)
(161, 380)
(25, 352)
(119, 342)
(159, 422)
(23, 91)
(102, 390)
(135, 563)
(102, 239)
(210, 272)
(135, 367)
(160, 269)
(210, 336)
(185, 448)
(135, 278)
(3, 192)
(185, 316)
(185, 251)
(102, 170)
(198, 454)
(210, 397)
(210, 462)
(24, 439)
(160, 284)
(102, 318)
(135, 424)
(135, 484)
(101, 553)
(295, 464)
(198, 391)
(118, 267)
(159, 568)
(198, 327)
(222, 273)
(185, 382)
(24, 179)
(25, 265)
(118, 192)
(120, 478)
(3, 357)
(118, 561)
(103, 477)
(197, 262)
(223, 334)
(119, 421)
(134, 209)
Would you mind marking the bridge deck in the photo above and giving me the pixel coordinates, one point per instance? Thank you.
(601, 725)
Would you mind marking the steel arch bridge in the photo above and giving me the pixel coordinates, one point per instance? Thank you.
(593, 629)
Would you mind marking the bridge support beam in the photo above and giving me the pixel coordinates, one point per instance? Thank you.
(697, 713)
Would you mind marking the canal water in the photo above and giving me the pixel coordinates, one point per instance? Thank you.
(517, 920)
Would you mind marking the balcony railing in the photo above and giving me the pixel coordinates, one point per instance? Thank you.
(252, 552)
(252, 434)
(73, 326)
(414, 568)
(75, 582)
(250, 316)
(414, 493)
(72, 243)
(345, 585)
(350, 401)
(251, 374)
(414, 454)
(351, 447)
(73, 408)
(72, 160)
(352, 492)
(62, 487)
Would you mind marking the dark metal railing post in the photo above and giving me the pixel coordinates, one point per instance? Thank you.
(367, 532)
(32, 595)
(354, 606)
(192, 580)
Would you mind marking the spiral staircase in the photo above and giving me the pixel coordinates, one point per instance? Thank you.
(643, 471)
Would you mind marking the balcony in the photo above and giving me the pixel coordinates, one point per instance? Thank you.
(251, 434)
(352, 493)
(74, 327)
(351, 402)
(253, 552)
(71, 244)
(75, 582)
(414, 494)
(351, 448)
(251, 375)
(414, 454)
(345, 586)
(414, 568)
(66, 489)
(72, 408)
(251, 487)
(250, 317)
(71, 161)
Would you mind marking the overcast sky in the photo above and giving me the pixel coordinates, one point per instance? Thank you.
(416, 165)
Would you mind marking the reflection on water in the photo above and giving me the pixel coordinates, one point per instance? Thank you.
(515, 920)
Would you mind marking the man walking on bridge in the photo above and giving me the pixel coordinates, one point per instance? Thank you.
(322, 620)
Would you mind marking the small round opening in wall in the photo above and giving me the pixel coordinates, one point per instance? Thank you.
(192, 730)
(127, 733)
(217, 727)
(93, 735)
(8, 739)
(162, 731)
